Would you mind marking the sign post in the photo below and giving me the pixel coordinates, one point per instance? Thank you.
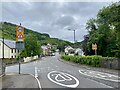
(19, 40)
(94, 47)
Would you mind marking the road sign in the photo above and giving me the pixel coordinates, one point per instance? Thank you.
(19, 34)
(19, 45)
(94, 46)
(19, 37)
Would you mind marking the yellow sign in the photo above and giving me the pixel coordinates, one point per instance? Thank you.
(94, 46)
(20, 34)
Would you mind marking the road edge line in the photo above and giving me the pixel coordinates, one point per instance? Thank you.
(1, 75)
(39, 84)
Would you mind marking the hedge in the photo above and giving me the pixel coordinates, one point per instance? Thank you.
(94, 60)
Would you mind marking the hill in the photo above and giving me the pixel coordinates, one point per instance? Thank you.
(9, 33)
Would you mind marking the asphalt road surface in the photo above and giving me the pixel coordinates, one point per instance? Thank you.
(52, 73)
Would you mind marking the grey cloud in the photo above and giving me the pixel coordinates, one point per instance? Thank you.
(64, 21)
(52, 17)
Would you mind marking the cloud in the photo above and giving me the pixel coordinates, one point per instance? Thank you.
(64, 21)
(53, 18)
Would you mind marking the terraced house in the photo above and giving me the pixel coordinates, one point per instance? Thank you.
(10, 50)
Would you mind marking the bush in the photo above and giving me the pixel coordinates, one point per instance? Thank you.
(94, 60)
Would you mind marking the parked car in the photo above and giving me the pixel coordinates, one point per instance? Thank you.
(52, 54)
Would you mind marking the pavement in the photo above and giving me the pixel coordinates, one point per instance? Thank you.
(14, 80)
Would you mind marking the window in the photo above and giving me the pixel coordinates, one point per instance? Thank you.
(11, 50)
(15, 50)
(11, 56)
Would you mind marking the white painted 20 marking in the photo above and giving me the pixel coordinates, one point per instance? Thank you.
(63, 79)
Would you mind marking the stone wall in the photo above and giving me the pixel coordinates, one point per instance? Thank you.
(2, 67)
(115, 64)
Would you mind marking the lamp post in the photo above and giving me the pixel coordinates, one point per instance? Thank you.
(74, 33)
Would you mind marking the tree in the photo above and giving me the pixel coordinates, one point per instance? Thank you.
(32, 46)
(105, 31)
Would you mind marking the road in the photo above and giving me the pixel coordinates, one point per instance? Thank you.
(52, 73)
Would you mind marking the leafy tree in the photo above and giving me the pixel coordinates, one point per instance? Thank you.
(32, 46)
(105, 31)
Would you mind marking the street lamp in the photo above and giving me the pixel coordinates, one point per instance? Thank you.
(74, 33)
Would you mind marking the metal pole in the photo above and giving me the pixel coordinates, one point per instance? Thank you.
(19, 66)
(95, 52)
(3, 67)
(74, 36)
(19, 59)
(3, 41)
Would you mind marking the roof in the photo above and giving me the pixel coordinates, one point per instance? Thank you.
(44, 47)
(68, 47)
(10, 43)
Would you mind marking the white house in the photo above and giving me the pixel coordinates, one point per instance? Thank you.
(10, 50)
(69, 50)
(46, 49)
(79, 51)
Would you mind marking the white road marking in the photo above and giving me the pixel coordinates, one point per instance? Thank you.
(36, 75)
(64, 79)
(37, 81)
(64, 74)
(99, 75)
(1, 76)
(36, 72)
(99, 83)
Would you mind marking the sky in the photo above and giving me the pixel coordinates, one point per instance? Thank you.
(53, 18)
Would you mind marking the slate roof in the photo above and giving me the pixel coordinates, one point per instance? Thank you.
(10, 43)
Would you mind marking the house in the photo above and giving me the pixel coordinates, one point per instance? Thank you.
(46, 49)
(69, 50)
(10, 50)
(79, 52)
